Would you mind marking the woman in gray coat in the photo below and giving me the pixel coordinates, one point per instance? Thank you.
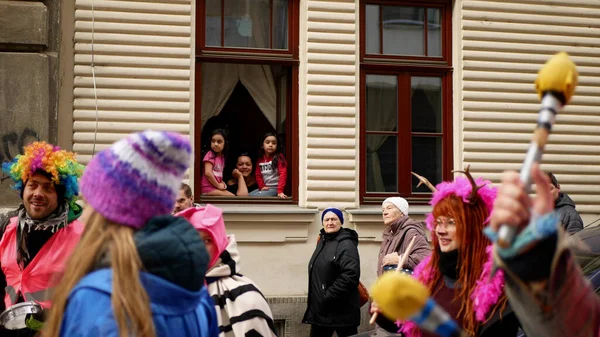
(399, 231)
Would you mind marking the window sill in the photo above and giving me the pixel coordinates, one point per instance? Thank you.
(268, 223)
(368, 220)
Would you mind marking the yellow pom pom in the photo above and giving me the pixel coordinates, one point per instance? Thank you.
(399, 296)
(559, 74)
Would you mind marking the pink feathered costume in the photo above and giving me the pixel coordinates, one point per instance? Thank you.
(488, 289)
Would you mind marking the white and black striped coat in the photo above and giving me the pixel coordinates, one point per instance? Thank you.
(242, 310)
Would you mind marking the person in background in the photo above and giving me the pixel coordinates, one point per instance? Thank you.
(399, 231)
(271, 169)
(333, 277)
(241, 308)
(565, 207)
(185, 199)
(214, 163)
(38, 240)
(243, 179)
(138, 270)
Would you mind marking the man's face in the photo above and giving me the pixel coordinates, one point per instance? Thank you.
(183, 202)
(39, 197)
(554, 191)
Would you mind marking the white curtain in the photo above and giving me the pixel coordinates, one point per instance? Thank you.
(381, 116)
(244, 24)
(219, 80)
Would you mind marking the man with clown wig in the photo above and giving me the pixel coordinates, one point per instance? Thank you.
(37, 241)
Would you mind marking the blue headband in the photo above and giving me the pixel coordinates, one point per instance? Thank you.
(335, 211)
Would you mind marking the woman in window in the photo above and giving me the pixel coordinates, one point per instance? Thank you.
(333, 276)
(242, 179)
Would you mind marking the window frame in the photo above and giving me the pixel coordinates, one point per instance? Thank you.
(446, 16)
(405, 67)
(288, 58)
(218, 54)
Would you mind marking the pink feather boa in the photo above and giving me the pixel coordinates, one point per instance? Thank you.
(486, 294)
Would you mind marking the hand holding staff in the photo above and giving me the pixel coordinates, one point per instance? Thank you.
(405, 298)
(398, 269)
(555, 85)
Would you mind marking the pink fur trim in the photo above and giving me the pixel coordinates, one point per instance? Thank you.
(488, 289)
(486, 294)
(461, 187)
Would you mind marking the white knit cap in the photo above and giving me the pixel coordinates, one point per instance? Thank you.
(400, 203)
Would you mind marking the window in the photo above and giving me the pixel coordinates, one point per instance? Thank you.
(246, 83)
(406, 97)
(258, 26)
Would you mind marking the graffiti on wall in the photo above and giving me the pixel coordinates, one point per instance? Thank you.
(11, 145)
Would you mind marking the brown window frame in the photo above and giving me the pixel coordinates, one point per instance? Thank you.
(404, 67)
(288, 58)
(218, 53)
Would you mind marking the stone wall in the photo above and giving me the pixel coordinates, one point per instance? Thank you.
(29, 44)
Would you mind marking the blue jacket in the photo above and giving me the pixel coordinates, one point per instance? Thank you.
(174, 309)
(175, 262)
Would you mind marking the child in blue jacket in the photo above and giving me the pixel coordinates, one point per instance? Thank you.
(137, 270)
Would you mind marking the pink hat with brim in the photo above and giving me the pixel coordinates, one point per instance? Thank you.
(209, 219)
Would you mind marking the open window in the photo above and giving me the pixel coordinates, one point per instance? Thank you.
(406, 98)
(246, 83)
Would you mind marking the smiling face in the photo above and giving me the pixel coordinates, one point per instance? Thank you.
(40, 197)
(244, 165)
(331, 223)
(445, 231)
(391, 213)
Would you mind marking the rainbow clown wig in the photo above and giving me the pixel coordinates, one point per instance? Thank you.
(59, 165)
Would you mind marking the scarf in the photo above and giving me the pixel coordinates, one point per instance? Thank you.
(448, 264)
(55, 221)
(240, 306)
(486, 294)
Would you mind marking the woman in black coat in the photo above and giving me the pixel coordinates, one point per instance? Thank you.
(333, 276)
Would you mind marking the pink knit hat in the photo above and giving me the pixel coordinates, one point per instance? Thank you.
(210, 220)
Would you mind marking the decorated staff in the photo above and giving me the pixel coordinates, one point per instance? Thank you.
(398, 270)
(555, 85)
(402, 297)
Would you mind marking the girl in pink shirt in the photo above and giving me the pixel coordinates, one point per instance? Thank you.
(214, 163)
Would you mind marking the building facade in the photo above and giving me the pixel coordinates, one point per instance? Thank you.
(360, 93)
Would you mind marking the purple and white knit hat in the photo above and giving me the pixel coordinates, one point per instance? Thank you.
(137, 178)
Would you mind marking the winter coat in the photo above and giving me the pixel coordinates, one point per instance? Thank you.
(569, 217)
(175, 262)
(241, 308)
(333, 276)
(397, 237)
